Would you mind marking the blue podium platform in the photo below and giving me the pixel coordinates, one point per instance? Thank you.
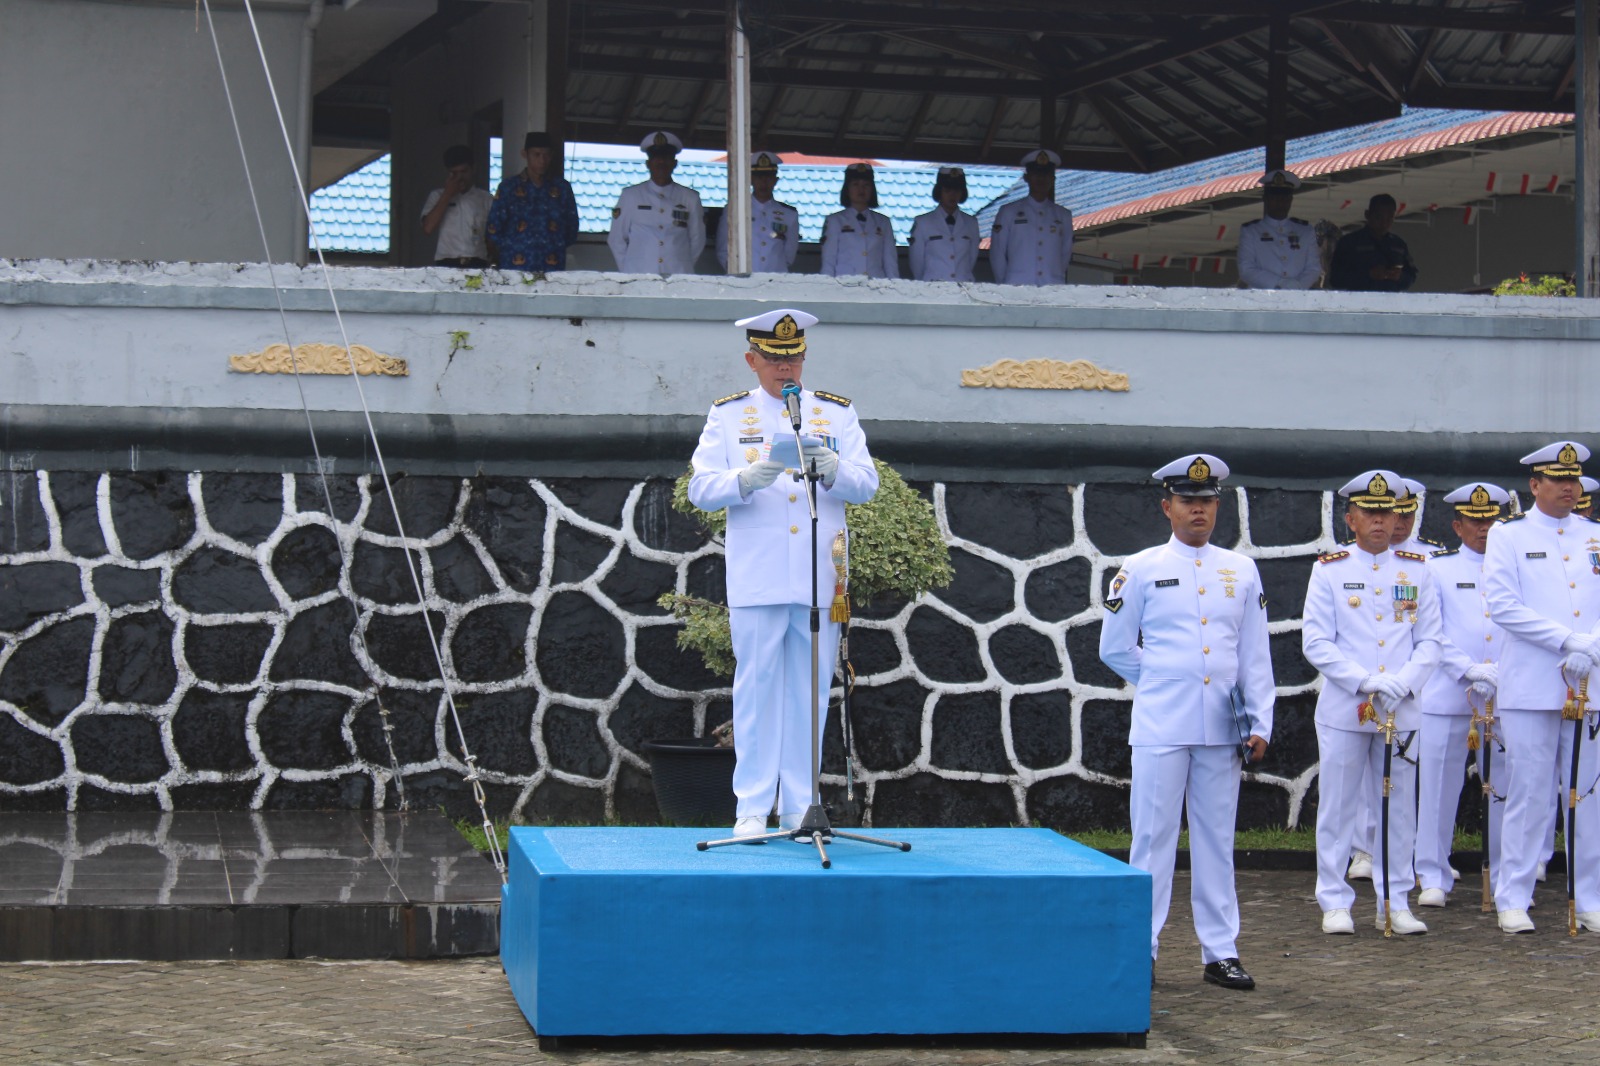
(632, 932)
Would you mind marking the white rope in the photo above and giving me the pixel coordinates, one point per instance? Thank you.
(473, 777)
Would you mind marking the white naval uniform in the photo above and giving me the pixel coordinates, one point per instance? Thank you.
(1031, 243)
(657, 229)
(1366, 838)
(859, 242)
(1203, 619)
(769, 584)
(774, 237)
(944, 247)
(1541, 587)
(1470, 637)
(1279, 253)
(1349, 632)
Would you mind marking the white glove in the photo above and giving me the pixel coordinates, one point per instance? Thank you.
(758, 476)
(826, 458)
(1581, 643)
(1393, 688)
(1486, 673)
(1369, 684)
(1577, 666)
(1483, 690)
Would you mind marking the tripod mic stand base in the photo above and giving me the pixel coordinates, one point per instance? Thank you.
(814, 829)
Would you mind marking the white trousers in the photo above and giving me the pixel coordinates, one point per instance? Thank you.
(1350, 763)
(1441, 769)
(1208, 776)
(772, 704)
(1541, 743)
(1499, 772)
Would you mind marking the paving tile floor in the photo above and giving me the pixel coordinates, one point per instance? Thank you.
(1464, 993)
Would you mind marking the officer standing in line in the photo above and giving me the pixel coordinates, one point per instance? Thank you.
(1203, 696)
(1030, 242)
(1465, 680)
(1403, 538)
(769, 563)
(944, 242)
(1541, 572)
(859, 240)
(1276, 251)
(1371, 627)
(657, 226)
(774, 225)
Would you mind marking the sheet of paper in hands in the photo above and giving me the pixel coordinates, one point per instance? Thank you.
(784, 450)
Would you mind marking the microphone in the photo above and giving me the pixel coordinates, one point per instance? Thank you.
(791, 401)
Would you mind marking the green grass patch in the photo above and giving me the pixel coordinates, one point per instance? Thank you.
(479, 839)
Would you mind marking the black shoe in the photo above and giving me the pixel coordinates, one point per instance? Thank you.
(1229, 974)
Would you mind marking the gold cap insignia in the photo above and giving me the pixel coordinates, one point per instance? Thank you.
(1199, 470)
(1480, 497)
(659, 141)
(1378, 486)
(785, 329)
(1567, 454)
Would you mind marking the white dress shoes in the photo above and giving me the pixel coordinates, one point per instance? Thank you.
(1589, 920)
(1402, 923)
(750, 827)
(1540, 871)
(1338, 921)
(1431, 897)
(1360, 867)
(1515, 922)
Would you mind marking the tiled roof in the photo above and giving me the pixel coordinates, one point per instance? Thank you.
(352, 215)
(1097, 197)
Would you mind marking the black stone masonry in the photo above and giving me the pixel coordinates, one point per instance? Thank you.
(176, 640)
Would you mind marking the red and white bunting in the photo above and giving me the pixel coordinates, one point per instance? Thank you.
(1494, 179)
(1468, 215)
(1555, 183)
(1218, 268)
(1137, 259)
(1220, 231)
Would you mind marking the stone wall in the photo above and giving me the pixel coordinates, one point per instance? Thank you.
(218, 640)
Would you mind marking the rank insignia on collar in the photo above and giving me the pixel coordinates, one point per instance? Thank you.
(1332, 557)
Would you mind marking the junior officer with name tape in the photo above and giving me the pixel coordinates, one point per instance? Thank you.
(769, 564)
(1186, 625)
(1541, 573)
(1371, 626)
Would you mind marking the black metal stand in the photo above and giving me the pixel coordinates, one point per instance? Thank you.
(813, 827)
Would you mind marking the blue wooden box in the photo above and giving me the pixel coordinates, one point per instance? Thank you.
(615, 932)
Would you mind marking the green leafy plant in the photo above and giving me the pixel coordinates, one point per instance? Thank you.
(473, 282)
(1547, 285)
(895, 548)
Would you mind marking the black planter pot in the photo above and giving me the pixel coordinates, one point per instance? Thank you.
(693, 781)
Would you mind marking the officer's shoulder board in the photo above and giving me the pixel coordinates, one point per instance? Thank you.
(1445, 551)
(730, 399)
(1430, 542)
(1586, 518)
(1252, 222)
(1515, 517)
(831, 397)
(1417, 557)
(1332, 557)
(1299, 221)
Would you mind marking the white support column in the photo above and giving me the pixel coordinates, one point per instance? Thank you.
(738, 208)
(1587, 192)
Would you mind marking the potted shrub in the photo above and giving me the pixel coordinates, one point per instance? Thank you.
(895, 549)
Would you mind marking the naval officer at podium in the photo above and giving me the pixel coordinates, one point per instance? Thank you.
(1202, 704)
(769, 563)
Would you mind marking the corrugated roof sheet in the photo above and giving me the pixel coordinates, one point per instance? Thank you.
(352, 215)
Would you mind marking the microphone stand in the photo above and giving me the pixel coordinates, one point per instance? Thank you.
(814, 826)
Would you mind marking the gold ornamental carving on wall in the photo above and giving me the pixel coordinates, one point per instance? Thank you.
(1044, 374)
(318, 358)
